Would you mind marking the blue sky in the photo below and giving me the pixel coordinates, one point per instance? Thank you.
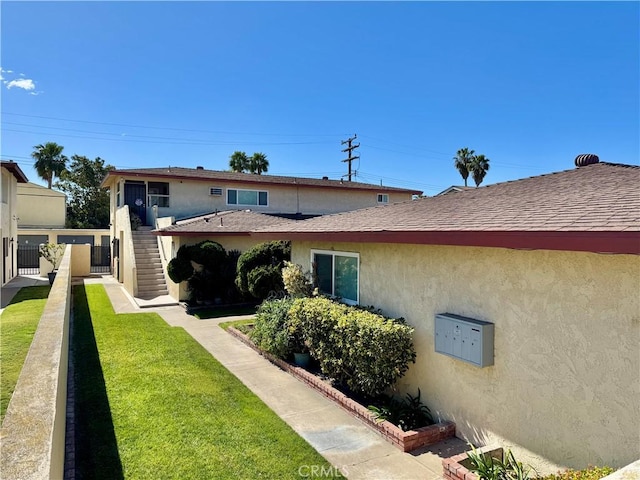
(147, 84)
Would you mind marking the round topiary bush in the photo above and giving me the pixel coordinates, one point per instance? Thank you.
(270, 255)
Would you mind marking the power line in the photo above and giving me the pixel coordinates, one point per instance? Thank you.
(173, 142)
(176, 129)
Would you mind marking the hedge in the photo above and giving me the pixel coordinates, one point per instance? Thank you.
(268, 259)
(356, 347)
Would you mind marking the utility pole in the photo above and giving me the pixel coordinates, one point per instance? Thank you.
(350, 148)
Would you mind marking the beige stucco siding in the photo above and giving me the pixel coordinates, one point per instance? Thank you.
(188, 198)
(40, 207)
(8, 226)
(565, 386)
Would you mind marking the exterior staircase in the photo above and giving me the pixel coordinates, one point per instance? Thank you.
(151, 281)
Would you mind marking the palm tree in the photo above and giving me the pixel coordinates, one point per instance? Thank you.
(238, 161)
(50, 162)
(478, 168)
(258, 163)
(462, 160)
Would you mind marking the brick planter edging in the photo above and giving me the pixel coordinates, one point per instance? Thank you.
(454, 468)
(405, 441)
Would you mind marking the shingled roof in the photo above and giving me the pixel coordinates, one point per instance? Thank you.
(227, 223)
(236, 177)
(591, 208)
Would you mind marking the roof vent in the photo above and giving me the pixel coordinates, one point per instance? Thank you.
(586, 159)
(325, 178)
(199, 167)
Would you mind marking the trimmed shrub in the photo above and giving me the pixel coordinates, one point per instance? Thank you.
(215, 280)
(271, 328)
(179, 269)
(358, 348)
(268, 254)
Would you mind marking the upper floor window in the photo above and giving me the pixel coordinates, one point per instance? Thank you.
(383, 198)
(158, 194)
(336, 274)
(247, 197)
(118, 194)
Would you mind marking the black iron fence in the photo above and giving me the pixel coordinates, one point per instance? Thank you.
(29, 262)
(101, 259)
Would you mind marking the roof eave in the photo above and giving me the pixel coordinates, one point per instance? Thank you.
(16, 171)
(105, 182)
(615, 242)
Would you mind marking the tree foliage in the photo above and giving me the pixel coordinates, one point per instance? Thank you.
(260, 268)
(240, 162)
(49, 161)
(478, 168)
(468, 163)
(88, 204)
(461, 162)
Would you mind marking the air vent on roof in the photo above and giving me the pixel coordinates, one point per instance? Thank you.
(199, 167)
(586, 159)
(215, 191)
(325, 178)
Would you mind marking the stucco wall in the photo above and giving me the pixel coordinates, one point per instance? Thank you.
(189, 197)
(40, 206)
(8, 225)
(566, 381)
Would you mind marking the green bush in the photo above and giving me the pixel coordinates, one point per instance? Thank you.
(215, 280)
(591, 473)
(271, 331)
(360, 349)
(179, 269)
(296, 282)
(408, 413)
(271, 256)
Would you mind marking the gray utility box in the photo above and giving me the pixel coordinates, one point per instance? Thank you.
(464, 338)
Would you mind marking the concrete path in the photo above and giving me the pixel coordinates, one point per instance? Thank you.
(356, 450)
(11, 288)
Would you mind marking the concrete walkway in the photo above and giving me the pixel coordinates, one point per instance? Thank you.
(345, 442)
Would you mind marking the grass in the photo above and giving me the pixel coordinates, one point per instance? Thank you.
(239, 324)
(153, 403)
(221, 312)
(18, 322)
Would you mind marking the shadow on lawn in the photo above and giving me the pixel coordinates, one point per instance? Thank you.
(96, 452)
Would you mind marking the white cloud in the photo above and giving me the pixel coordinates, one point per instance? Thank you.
(24, 83)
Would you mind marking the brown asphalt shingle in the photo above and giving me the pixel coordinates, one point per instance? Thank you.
(598, 197)
(233, 222)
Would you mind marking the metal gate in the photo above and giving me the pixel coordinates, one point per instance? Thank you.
(100, 259)
(28, 260)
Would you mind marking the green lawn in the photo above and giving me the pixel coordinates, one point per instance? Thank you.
(18, 324)
(155, 404)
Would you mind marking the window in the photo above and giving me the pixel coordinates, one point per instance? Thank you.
(247, 197)
(159, 194)
(383, 198)
(336, 274)
(118, 194)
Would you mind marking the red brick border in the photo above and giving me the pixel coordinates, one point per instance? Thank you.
(454, 468)
(405, 441)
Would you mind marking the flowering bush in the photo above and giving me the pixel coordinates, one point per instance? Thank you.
(296, 282)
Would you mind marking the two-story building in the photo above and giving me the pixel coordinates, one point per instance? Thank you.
(157, 198)
(11, 175)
